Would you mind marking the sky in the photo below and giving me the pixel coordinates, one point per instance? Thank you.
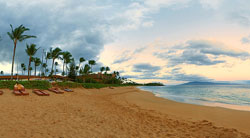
(168, 41)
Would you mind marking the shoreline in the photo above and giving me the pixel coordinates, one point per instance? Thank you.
(206, 103)
(117, 112)
(221, 116)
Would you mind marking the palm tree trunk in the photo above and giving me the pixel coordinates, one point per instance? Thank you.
(63, 67)
(29, 69)
(52, 66)
(13, 59)
(46, 67)
(35, 70)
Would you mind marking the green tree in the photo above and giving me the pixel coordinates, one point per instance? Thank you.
(102, 69)
(81, 60)
(1, 73)
(92, 63)
(30, 69)
(23, 66)
(16, 35)
(107, 69)
(37, 62)
(86, 69)
(45, 67)
(55, 54)
(31, 51)
(56, 64)
(72, 71)
(66, 56)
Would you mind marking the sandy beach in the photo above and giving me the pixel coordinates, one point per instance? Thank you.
(119, 112)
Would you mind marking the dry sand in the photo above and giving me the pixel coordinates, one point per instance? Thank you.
(119, 112)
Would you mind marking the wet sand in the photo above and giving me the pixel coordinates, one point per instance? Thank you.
(110, 113)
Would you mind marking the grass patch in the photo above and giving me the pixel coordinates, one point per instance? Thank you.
(27, 84)
(86, 85)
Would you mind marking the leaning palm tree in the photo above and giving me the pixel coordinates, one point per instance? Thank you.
(91, 63)
(17, 35)
(31, 51)
(37, 62)
(66, 57)
(55, 54)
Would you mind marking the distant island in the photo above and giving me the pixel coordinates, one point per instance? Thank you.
(208, 83)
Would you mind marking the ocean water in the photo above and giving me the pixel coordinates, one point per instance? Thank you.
(227, 96)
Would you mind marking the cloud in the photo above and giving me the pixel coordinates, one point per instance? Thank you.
(81, 27)
(128, 55)
(199, 53)
(245, 40)
(177, 75)
(144, 67)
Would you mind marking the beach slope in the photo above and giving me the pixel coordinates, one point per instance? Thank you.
(118, 112)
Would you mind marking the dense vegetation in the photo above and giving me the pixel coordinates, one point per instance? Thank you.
(154, 84)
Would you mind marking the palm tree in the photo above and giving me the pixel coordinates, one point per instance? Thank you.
(44, 66)
(80, 61)
(24, 69)
(91, 63)
(17, 35)
(56, 64)
(23, 66)
(66, 57)
(47, 56)
(37, 62)
(107, 69)
(86, 69)
(31, 51)
(69, 60)
(55, 53)
(102, 69)
(30, 69)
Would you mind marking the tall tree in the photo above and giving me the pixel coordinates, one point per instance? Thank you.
(37, 62)
(16, 35)
(31, 51)
(55, 54)
(66, 57)
(45, 67)
(107, 69)
(82, 59)
(23, 66)
(92, 63)
(102, 69)
(86, 69)
(56, 64)
(72, 71)
(47, 56)
(24, 69)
